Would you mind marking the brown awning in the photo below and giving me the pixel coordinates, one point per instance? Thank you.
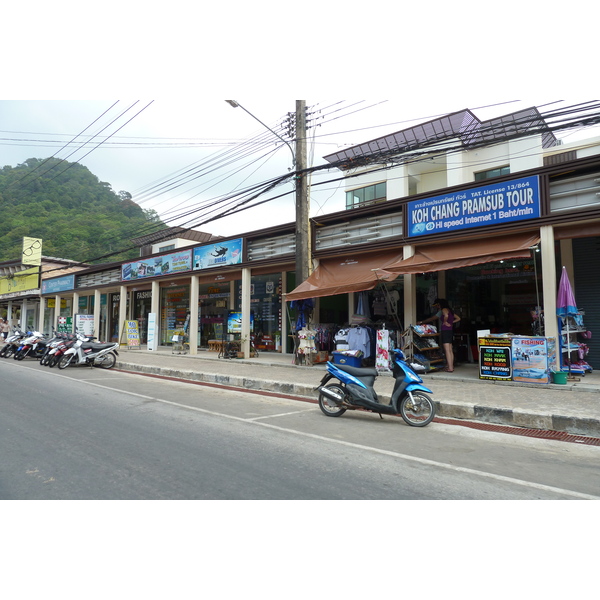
(343, 275)
(580, 230)
(441, 257)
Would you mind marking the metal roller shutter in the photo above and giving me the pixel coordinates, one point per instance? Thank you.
(586, 256)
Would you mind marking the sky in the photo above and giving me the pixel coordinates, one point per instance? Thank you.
(164, 152)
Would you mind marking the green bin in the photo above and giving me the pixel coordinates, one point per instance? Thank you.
(559, 377)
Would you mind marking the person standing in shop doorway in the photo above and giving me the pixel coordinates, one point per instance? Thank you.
(447, 318)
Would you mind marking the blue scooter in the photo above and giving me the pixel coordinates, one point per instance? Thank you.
(355, 391)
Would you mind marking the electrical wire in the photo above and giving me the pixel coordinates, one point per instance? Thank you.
(231, 204)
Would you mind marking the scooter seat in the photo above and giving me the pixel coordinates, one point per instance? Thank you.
(96, 347)
(358, 371)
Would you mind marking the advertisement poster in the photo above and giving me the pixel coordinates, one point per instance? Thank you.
(491, 204)
(495, 358)
(178, 262)
(152, 333)
(85, 324)
(218, 255)
(234, 322)
(530, 360)
(132, 334)
(64, 324)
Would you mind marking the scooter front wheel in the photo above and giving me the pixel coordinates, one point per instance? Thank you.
(418, 411)
(65, 361)
(329, 406)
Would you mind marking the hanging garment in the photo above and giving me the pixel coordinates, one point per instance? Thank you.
(379, 307)
(382, 359)
(358, 339)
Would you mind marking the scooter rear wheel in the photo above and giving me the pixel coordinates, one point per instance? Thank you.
(329, 406)
(419, 411)
(106, 361)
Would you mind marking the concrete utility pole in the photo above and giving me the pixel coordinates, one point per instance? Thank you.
(303, 242)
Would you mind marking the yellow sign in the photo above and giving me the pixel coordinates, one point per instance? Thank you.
(51, 303)
(20, 282)
(32, 252)
(132, 333)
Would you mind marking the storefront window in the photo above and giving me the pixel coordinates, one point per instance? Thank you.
(266, 307)
(113, 322)
(498, 296)
(175, 303)
(142, 302)
(213, 308)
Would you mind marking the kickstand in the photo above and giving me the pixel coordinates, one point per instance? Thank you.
(381, 416)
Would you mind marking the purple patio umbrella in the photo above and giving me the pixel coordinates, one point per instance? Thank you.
(566, 307)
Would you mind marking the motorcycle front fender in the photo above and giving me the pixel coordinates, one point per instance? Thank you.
(70, 351)
(411, 387)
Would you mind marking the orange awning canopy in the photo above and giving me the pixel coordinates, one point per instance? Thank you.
(344, 274)
(441, 257)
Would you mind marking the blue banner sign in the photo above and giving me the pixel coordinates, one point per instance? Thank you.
(491, 204)
(218, 255)
(58, 284)
(178, 262)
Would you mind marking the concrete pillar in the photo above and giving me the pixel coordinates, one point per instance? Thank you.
(246, 305)
(97, 311)
(122, 310)
(75, 307)
(549, 283)
(194, 293)
(284, 313)
(41, 316)
(410, 291)
(155, 308)
(56, 310)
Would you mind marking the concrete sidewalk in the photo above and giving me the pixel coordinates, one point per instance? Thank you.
(572, 408)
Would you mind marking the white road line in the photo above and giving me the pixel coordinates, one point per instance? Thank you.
(295, 412)
(406, 457)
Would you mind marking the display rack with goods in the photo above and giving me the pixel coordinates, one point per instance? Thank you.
(572, 350)
(421, 346)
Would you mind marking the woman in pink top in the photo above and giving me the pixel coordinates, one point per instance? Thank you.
(447, 318)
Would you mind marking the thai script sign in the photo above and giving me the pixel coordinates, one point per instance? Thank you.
(491, 204)
(178, 262)
(218, 255)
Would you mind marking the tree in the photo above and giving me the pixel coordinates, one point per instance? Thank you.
(77, 216)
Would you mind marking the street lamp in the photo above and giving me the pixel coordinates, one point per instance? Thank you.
(303, 255)
(237, 104)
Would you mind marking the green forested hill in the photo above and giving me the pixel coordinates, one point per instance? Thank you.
(77, 216)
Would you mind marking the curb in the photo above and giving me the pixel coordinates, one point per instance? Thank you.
(447, 409)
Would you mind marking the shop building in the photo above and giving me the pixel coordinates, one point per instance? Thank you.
(484, 214)
(20, 293)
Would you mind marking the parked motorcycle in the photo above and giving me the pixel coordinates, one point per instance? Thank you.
(355, 391)
(57, 351)
(52, 343)
(13, 342)
(94, 354)
(32, 346)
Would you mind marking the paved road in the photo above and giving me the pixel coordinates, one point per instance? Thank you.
(94, 434)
